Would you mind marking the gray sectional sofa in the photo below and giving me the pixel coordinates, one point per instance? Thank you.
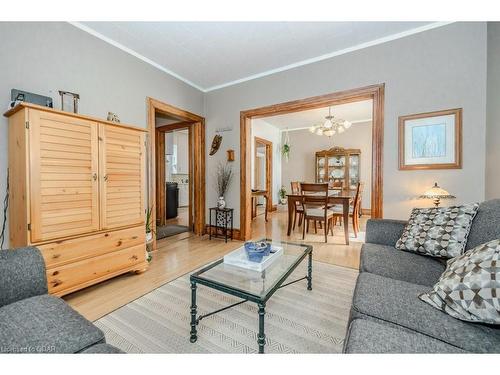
(31, 321)
(388, 317)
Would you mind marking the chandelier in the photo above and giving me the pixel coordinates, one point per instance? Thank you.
(331, 126)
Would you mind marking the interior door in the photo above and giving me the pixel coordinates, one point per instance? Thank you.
(63, 175)
(122, 166)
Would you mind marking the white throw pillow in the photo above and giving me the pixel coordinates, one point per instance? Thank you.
(439, 231)
(469, 288)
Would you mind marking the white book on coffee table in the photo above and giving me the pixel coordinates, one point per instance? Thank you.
(239, 258)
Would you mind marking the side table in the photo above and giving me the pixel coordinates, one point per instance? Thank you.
(223, 222)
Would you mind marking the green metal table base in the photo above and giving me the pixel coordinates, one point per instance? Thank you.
(261, 337)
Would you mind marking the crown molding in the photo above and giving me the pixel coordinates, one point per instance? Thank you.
(135, 54)
(312, 60)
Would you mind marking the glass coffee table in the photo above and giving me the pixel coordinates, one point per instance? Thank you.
(250, 285)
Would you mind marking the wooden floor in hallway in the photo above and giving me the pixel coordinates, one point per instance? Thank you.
(186, 252)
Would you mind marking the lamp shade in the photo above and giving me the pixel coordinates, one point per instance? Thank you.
(436, 192)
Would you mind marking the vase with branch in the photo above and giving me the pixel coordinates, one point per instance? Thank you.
(224, 178)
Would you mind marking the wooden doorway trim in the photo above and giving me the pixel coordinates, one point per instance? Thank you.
(197, 160)
(374, 92)
(269, 166)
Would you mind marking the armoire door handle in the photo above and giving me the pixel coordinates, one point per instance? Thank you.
(94, 176)
(105, 177)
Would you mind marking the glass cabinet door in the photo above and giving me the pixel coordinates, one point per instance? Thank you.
(321, 168)
(354, 168)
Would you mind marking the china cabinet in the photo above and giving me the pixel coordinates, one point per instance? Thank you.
(338, 166)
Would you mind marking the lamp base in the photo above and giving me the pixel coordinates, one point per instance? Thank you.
(436, 202)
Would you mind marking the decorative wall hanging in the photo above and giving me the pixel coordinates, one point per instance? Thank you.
(216, 142)
(431, 140)
(69, 101)
(230, 155)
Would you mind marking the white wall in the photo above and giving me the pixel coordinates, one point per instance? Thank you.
(182, 142)
(493, 113)
(50, 56)
(271, 133)
(304, 145)
(437, 69)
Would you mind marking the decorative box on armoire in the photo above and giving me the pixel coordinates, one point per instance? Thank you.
(77, 192)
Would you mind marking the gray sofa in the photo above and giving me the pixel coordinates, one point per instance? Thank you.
(388, 317)
(31, 321)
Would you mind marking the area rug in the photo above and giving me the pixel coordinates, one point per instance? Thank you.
(170, 230)
(296, 321)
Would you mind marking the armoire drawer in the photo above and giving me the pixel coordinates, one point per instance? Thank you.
(77, 249)
(64, 279)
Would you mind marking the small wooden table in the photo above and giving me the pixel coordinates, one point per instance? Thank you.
(342, 197)
(255, 195)
(223, 222)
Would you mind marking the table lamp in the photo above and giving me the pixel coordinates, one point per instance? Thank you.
(436, 194)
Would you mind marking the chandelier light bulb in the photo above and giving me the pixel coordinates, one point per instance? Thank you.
(329, 133)
(330, 126)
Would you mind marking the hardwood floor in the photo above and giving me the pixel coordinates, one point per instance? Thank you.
(184, 253)
(181, 219)
(333, 252)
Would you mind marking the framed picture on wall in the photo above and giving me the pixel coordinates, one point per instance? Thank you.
(431, 140)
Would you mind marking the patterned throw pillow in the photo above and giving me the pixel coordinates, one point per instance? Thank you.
(469, 288)
(439, 231)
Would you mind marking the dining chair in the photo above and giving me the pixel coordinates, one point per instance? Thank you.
(315, 203)
(354, 210)
(299, 210)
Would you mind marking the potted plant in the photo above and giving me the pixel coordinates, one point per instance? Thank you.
(149, 233)
(282, 195)
(224, 177)
(285, 149)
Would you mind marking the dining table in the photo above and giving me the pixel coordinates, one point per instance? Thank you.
(342, 197)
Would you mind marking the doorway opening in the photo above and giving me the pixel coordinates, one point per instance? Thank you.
(174, 212)
(374, 94)
(262, 176)
(176, 170)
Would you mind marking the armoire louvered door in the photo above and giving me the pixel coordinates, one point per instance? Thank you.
(63, 175)
(122, 168)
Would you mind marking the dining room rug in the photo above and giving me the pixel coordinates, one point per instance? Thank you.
(296, 320)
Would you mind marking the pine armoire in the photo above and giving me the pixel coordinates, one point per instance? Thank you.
(77, 192)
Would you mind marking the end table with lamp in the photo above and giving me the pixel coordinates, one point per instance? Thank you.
(436, 193)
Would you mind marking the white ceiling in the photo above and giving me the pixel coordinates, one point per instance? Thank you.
(210, 55)
(354, 112)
